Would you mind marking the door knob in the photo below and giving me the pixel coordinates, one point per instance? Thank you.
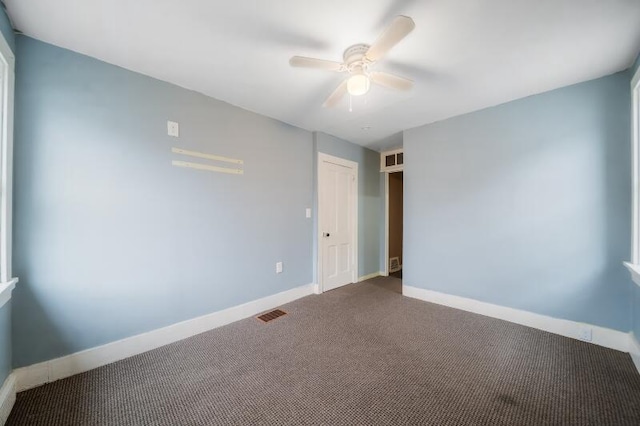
(326, 234)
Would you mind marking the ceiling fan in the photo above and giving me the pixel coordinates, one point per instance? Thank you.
(358, 61)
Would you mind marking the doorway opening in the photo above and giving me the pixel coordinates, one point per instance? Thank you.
(394, 212)
(394, 200)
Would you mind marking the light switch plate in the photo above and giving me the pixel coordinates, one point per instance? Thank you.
(308, 213)
(278, 267)
(173, 129)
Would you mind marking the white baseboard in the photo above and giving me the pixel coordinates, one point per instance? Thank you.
(59, 368)
(368, 277)
(634, 350)
(7, 397)
(600, 336)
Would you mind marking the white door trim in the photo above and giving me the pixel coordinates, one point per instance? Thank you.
(386, 225)
(353, 165)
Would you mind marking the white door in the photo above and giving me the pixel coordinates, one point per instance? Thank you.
(337, 225)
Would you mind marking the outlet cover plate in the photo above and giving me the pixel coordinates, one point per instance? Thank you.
(585, 333)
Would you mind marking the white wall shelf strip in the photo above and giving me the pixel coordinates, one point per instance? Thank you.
(207, 167)
(207, 156)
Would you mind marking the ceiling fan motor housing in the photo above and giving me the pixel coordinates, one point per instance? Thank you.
(354, 56)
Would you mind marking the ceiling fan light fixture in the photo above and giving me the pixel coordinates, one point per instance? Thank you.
(358, 84)
(358, 61)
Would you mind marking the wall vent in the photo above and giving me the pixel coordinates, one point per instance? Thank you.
(392, 161)
(270, 316)
(394, 264)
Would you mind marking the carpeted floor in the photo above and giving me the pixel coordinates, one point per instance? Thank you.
(359, 355)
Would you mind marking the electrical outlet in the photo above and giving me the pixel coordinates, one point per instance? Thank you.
(279, 268)
(585, 333)
(173, 129)
(308, 213)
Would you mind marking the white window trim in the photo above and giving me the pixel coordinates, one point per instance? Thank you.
(7, 282)
(5, 291)
(634, 264)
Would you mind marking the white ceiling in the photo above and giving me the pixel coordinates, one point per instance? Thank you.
(464, 55)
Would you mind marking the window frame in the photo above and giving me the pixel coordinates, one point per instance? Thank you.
(7, 67)
(634, 264)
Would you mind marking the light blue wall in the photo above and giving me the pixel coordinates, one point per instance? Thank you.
(527, 204)
(5, 311)
(110, 240)
(370, 197)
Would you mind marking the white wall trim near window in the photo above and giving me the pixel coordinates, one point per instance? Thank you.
(5, 291)
(634, 264)
(7, 81)
(635, 271)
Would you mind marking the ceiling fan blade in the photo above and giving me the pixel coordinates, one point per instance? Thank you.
(399, 29)
(336, 96)
(301, 61)
(391, 81)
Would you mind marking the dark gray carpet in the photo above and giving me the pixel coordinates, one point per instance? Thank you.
(360, 355)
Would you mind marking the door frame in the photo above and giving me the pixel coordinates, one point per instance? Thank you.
(322, 157)
(385, 271)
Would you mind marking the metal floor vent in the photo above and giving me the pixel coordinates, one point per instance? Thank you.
(394, 264)
(269, 316)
